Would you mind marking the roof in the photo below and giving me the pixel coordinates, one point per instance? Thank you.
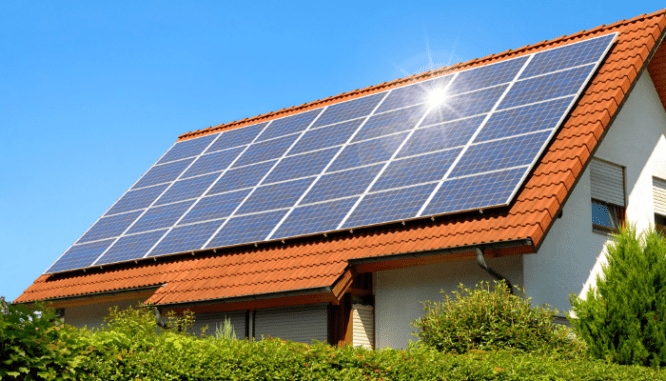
(322, 265)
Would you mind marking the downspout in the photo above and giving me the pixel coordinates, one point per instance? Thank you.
(483, 265)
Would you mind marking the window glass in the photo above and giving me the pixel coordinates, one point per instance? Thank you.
(606, 215)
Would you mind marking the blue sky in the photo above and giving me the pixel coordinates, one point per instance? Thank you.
(92, 93)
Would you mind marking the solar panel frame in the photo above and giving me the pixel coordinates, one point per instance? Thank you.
(357, 109)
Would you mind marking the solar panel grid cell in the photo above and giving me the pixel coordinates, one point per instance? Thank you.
(215, 207)
(187, 148)
(391, 122)
(464, 105)
(308, 164)
(160, 217)
(163, 173)
(367, 152)
(441, 136)
(80, 256)
(540, 116)
(187, 189)
(236, 137)
(316, 218)
(107, 227)
(413, 94)
(324, 137)
(240, 178)
(185, 238)
(249, 228)
(416, 170)
(214, 162)
(266, 150)
(393, 205)
(137, 199)
(342, 184)
(486, 76)
(275, 196)
(131, 247)
(352, 109)
(289, 125)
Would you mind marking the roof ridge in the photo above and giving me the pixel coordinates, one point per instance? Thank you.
(414, 77)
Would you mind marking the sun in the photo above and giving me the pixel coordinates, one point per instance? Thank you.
(436, 97)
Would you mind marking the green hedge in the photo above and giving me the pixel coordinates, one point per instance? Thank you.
(132, 347)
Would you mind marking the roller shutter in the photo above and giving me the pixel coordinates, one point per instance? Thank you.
(237, 321)
(363, 326)
(607, 182)
(659, 191)
(301, 324)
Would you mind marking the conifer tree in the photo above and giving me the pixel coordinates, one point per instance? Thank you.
(623, 319)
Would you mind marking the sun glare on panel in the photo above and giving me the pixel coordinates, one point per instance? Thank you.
(436, 97)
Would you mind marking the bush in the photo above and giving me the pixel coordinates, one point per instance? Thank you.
(35, 345)
(623, 319)
(483, 319)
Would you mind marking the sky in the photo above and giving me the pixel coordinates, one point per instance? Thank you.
(93, 93)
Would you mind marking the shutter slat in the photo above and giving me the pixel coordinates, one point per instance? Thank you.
(363, 326)
(299, 324)
(607, 181)
(659, 191)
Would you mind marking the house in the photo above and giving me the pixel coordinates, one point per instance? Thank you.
(605, 164)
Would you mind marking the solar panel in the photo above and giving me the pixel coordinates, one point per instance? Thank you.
(385, 157)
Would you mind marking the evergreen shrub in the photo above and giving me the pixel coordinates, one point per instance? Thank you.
(623, 318)
(487, 318)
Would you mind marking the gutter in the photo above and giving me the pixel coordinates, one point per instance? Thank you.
(454, 250)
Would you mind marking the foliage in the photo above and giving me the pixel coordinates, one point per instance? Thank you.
(34, 344)
(485, 318)
(226, 331)
(623, 319)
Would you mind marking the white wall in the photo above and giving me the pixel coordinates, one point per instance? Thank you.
(93, 315)
(571, 254)
(399, 293)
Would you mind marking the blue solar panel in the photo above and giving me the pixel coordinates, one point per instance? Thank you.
(131, 247)
(416, 170)
(464, 105)
(80, 256)
(475, 192)
(250, 228)
(245, 186)
(137, 199)
(187, 148)
(500, 154)
(441, 136)
(549, 86)
(391, 122)
(522, 120)
(186, 238)
(160, 217)
(393, 205)
(271, 149)
(187, 189)
(325, 137)
(214, 162)
(349, 110)
(163, 173)
(237, 137)
(280, 195)
(107, 227)
(289, 125)
(240, 178)
(303, 165)
(368, 152)
(413, 94)
(215, 207)
(486, 76)
(572, 55)
(342, 184)
(317, 218)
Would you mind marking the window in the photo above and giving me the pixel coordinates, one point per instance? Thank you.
(659, 202)
(608, 197)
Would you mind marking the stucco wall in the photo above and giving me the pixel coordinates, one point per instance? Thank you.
(571, 254)
(399, 293)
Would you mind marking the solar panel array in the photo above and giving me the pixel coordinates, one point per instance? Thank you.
(385, 157)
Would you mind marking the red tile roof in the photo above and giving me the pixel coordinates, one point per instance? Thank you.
(319, 262)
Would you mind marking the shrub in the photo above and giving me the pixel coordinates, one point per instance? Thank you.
(623, 319)
(483, 318)
(35, 345)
